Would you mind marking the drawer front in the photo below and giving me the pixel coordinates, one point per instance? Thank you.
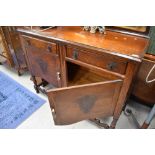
(102, 60)
(42, 45)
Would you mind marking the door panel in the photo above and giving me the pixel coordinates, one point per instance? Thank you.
(76, 103)
(42, 63)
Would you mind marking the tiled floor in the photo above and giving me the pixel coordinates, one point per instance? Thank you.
(42, 118)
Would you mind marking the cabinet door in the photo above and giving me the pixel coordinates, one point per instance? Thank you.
(42, 63)
(76, 103)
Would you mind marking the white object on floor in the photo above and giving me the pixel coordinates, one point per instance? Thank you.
(42, 118)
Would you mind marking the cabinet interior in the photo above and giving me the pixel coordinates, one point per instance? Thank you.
(78, 75)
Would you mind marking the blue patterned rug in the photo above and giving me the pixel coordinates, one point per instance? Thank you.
(16, 102)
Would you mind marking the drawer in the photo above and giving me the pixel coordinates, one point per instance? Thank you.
(41, 44)
(101, 60)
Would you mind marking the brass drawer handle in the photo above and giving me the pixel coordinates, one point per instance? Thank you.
(75, 55)
(112, 65)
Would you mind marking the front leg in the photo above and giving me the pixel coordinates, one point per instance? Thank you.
(35, 84)
(113, 123)
(130, 72)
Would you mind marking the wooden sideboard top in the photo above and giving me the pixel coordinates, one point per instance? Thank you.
(124, 45)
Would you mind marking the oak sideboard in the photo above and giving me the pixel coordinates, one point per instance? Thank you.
(86, 76)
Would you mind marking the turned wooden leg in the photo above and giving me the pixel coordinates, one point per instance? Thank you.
(36, 88)
(113, 123)
(99, 123)
(44, 83)
(19, 73)
(35, 84)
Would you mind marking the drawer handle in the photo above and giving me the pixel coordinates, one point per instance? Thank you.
(28, 42)
(112, 65)
(75, 55)
(49, 48)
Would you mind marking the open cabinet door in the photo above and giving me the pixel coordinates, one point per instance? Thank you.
(76, 103)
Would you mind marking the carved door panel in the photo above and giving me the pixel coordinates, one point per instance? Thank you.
(76, 103)
(42, 63)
